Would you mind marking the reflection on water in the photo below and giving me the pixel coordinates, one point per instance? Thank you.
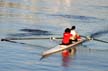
(17, 10)
(66, 61)
(18, 6)
(18, 17)
(26, 9)
(34, 5)
(33, 11)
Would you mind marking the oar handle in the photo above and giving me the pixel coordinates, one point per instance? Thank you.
(54, 38)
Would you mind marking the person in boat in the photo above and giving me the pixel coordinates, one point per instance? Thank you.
(66, 40)
(74, 38)
(66, 37)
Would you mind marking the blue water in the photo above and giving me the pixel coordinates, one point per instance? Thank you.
(46, 18)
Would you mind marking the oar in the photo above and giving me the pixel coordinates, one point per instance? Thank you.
(51, 38)
(12, 41)
(100, 40)
(32, 38)
(90, 38)
(100, 33)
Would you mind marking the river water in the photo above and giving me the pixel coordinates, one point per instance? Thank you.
(46, 18)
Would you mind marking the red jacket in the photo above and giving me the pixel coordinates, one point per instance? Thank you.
(66, 38)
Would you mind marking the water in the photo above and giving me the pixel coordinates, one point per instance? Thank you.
(45, 18)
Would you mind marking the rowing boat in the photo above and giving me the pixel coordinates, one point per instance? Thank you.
(60, 48)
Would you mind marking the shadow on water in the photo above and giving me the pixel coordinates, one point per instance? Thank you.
(34, 30)
(31, 32)
(100, 33)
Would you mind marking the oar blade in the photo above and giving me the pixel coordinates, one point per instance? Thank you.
(100, 40)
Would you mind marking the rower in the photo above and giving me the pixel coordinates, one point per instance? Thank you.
(75, 36)
(66, 40)
(74, 39)
(66, 37)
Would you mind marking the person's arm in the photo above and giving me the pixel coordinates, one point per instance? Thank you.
(78, 37)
